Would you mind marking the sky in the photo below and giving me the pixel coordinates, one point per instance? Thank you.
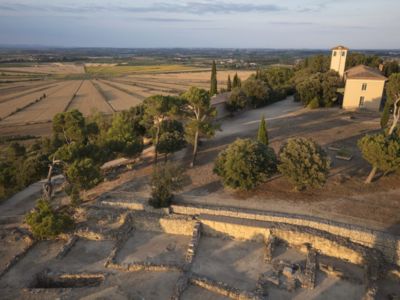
(309, 24)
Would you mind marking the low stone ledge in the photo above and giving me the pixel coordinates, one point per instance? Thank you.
(222, 288)
(18, 257)
(67, 246)
(144, 266)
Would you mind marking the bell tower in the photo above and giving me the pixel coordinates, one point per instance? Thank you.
(338, 59)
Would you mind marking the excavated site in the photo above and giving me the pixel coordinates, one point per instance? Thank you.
(124, 249)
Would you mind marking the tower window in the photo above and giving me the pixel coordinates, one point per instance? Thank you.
(362, 100)
(364, 87)
(343, 53)
(334, 53)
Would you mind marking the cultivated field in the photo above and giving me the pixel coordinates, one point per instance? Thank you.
(88, 100)
(54, 68)
(106, 88)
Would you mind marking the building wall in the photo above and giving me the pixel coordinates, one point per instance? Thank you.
(372, 95)
(338, 62)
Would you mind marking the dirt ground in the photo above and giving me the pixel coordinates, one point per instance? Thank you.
(154, 247)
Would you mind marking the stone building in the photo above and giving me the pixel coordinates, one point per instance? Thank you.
(364, 85)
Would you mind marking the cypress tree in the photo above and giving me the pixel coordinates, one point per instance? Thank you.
(262, 135)
(386, 114)
(214, 85)
(229, 84)
(235, 81)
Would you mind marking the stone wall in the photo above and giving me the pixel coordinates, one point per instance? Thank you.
(388, 244)
(168, 224)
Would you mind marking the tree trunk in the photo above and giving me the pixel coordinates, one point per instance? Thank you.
(195, 144)
(371, 175)
(156, 145)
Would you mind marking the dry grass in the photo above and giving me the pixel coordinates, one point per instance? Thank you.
(52, 68)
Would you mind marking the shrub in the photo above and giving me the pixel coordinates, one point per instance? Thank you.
(165, 180)
(314, 103)
(237, 100)
(45, 223)
(304, 163)
(245, 164)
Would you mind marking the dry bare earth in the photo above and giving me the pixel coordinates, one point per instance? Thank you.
(53, 68)
(45, 110)
(7, 105)
(118, 99)
(14, 93)
(89, 100)
(136, 92)
(19, 87)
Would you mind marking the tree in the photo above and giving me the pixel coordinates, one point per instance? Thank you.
(83, 174)
(70, 126)
(237, 100)
(172, 137)
(392, 93)
(304, 163)
(229, 84)
(214, 82)
(16, 150)
(382, 152)
(391, 67)
(124, 135)
(45, 222)
(200, 115)
(236, 81)
(157, 109)
(245, 164)
(165, 180)
(262, 135)
(256, 91)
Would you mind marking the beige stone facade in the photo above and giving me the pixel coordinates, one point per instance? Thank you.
(364, 85)
(338, 60)
(363, 93)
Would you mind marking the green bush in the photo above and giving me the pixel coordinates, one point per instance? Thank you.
(237, 100)
(304, 163)
(45, 223)
(166, 179)
(245, 164)
(314, 103)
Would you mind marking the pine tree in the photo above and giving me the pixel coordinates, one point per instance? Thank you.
(229, 84)
(214, 85)
(262, 135)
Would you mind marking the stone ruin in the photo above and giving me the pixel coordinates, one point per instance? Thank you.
(280, 275)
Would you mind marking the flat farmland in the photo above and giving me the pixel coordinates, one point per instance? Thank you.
(45, 110)
(119, 100)
(23, 112)
(118, 70)
(12, 105)
(47, 68)
(16, 92)
(135, 90)
(89, 100)
(193, 78)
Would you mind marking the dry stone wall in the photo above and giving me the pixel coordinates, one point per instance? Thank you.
(388, 244)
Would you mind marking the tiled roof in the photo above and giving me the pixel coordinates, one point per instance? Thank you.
(340, 47)
(364, 72)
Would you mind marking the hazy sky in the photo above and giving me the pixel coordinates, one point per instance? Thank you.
(201, 23)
